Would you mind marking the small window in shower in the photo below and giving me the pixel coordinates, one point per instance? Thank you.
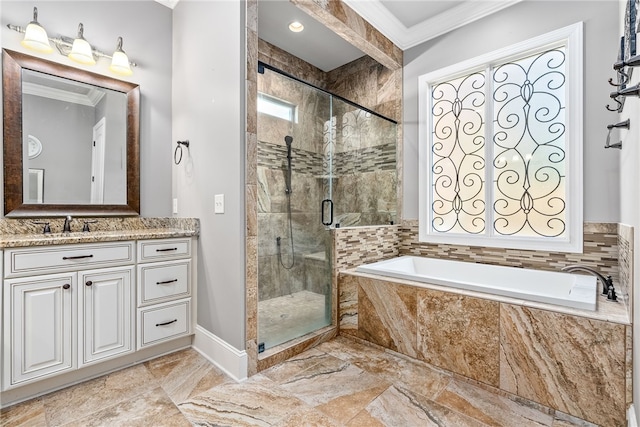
(277, 108)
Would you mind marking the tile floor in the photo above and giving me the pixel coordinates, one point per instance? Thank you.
(339, 383)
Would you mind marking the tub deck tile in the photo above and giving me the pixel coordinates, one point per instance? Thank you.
(460, 334)
(578, 368)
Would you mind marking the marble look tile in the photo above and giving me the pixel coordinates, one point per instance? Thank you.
(348, 303)
(185, 374)
(95, 395)
(394, 368)
(490, 408)
(336, 388)
(565, 420)
(28, 414)
(629, 365)
(460, 334)
(387, 315)
(256, 402)
(307, 417)
(400, 407)
(578, 368)
(153, 408)
(294, 365)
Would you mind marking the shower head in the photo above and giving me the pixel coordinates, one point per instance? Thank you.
(288, 140)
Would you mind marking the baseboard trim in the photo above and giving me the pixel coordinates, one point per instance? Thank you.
(632, 421)
(232, 361)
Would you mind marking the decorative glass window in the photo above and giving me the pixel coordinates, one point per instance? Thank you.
(501, 147)
(277, 108)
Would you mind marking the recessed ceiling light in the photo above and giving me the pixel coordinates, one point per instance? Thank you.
(296, 26)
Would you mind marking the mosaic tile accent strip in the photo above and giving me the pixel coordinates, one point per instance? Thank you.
(624, 286)
(274, 156)
(600, 252)
(369, 159)
(361, 245)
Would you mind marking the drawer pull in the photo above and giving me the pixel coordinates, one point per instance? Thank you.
(167, 323)
(166, 250)
(166, 282)
(66, 286)
(77, 257)
(89, 283)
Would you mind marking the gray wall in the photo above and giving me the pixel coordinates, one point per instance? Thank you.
(146, 28)
(514, 24)
(208, 110)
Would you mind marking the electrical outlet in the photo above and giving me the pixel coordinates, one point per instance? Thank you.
(219, 203)
(175, 206)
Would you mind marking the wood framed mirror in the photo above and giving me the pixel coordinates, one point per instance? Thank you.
(45, 106)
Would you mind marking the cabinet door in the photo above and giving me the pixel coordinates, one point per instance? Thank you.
(39, 326)
(106, 313)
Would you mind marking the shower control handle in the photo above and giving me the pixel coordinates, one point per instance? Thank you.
(326, 202)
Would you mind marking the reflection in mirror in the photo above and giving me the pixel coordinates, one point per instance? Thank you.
(76, 133)
(77, 129)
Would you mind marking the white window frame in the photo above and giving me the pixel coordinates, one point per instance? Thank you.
(278, 106)
(571, 37)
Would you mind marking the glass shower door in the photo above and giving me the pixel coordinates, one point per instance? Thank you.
(294, 265)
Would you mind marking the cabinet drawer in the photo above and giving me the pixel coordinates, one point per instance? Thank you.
(161, 281)
(20, 262)
(163, 322)
(154, 250)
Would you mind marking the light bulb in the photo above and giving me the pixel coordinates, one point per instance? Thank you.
(81, 50)
(35, 37)
(120, 61)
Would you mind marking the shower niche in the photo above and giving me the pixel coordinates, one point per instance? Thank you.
(323, 162)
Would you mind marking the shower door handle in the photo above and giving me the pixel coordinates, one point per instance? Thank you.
(326, 202)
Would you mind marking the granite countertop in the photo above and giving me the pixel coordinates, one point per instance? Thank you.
(22, 233)
(27, 240)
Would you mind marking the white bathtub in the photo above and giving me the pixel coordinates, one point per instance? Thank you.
(565, 289)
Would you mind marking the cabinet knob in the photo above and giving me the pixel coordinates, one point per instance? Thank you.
(66, 286)
(89, 283)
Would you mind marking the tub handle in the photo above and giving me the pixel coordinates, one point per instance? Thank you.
(323, 210)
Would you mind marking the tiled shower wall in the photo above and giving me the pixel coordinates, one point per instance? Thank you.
(359, 148)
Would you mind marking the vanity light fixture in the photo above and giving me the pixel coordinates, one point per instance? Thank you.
(78, 49)
(296, 26)
(35, 37)
(120, 61)
(81, 50)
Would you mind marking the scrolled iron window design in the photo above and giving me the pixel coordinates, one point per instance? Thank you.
(458, 165)
(529, 146)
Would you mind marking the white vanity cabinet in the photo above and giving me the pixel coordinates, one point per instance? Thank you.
(75, 311)
(164, 290)
(65, 307)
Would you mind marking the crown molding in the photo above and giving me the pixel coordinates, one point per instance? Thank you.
(384, 21)
(91, 99)
(169, 3)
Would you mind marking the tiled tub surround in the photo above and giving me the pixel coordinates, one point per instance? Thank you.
(569, 362)
(498, 341)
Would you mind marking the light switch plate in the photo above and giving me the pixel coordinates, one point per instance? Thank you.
(175, 206)
(219, 203)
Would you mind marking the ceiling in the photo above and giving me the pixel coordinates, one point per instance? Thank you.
(406, 23)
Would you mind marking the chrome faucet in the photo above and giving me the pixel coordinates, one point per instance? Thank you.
(66, 228)
(607, 282)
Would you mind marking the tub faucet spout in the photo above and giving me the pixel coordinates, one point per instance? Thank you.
(607, 282)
